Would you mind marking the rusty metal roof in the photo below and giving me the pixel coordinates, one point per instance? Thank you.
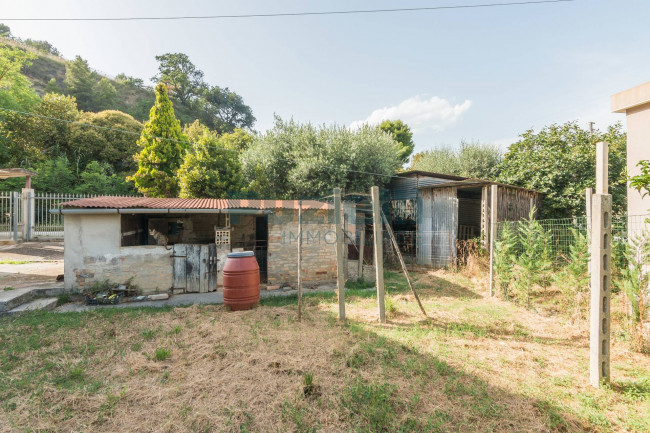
(108, 202)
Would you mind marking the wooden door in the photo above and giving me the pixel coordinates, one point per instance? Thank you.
(179, 257)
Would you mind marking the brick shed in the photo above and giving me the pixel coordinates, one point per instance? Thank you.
(181, 244)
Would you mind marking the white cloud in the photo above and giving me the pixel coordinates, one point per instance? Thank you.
(419, 113)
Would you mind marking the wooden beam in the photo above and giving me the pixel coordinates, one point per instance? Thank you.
(379, 252)
(340, 277)
(493, 232)
(401, 261)
(362, 244)
(299, 260)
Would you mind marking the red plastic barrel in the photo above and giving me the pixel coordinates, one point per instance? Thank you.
(241, 281)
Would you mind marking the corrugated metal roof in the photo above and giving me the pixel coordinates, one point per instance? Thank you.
(476, 182)
(108, 202)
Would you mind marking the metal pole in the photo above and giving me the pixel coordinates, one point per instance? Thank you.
(299, 260)
(493, 232)
(601, 236)
(362, 244)
(379, 252)
(14, 214)
(340, 278)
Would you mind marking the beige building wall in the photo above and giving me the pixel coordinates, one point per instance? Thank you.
(93, 253)
(635, 103)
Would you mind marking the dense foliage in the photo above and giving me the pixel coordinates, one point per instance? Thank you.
(301, 160)
(560, 161)
(402, 134)
(15, 89)
(163, 146)
(211, 166)
(475, 160)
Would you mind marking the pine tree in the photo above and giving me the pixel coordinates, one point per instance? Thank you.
(79, 82)
(52, 86)
(163, 146)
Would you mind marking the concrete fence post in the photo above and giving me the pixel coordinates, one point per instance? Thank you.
(28, 214)
(601, 254)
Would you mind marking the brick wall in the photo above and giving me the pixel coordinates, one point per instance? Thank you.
(318, 247)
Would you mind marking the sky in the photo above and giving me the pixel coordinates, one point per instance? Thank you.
(482, 74)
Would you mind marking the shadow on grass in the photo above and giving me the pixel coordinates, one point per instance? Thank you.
(388, 387)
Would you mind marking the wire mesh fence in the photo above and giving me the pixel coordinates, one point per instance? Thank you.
(532, 254)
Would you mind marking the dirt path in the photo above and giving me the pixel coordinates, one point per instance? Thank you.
(30, 264)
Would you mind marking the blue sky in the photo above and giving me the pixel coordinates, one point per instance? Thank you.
(474, 74)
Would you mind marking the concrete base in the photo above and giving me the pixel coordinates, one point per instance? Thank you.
(35, 305)
(10, 299)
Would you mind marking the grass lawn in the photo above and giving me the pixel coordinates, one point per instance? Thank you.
(476, 364)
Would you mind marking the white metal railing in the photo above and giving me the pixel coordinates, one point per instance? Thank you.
(46, 224)
(7, 211)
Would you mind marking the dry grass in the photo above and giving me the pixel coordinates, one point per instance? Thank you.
(475, 364)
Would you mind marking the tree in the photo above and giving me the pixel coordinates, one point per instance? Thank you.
(104, 94)
(402, 134)
(475, 160)
(211, 167)
(110, 139)
(560, 161)
(5, 31)
(641, 182)
(36, 138)
(98, 178)
(43, 46)
(300, 160)
(54, 175)
(225, 110)
(130, 81)
(162, 144)
(176, 71)
(16, 90)
(52, 86)
(79, 82)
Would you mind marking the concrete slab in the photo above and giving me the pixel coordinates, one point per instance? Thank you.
(35, 305)
(186, 299)
(10, 299)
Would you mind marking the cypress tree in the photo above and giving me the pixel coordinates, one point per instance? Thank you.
(161, 157)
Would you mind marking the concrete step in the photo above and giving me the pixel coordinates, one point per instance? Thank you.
(36, 304)
(10, 299)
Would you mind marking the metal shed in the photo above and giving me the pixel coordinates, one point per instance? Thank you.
(433, 212)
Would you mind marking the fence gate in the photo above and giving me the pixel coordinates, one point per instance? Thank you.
(195, 267)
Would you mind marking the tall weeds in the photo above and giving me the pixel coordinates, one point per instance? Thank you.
(634, 281)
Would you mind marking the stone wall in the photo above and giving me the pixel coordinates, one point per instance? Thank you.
(318, 247)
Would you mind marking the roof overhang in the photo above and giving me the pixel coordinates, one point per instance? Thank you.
(6, 173)
(470, 183)
(631, 98)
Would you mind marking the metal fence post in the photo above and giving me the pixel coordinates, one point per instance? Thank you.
(14, 211)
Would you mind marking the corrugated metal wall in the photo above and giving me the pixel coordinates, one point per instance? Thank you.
(406, 188)
(437, 227)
